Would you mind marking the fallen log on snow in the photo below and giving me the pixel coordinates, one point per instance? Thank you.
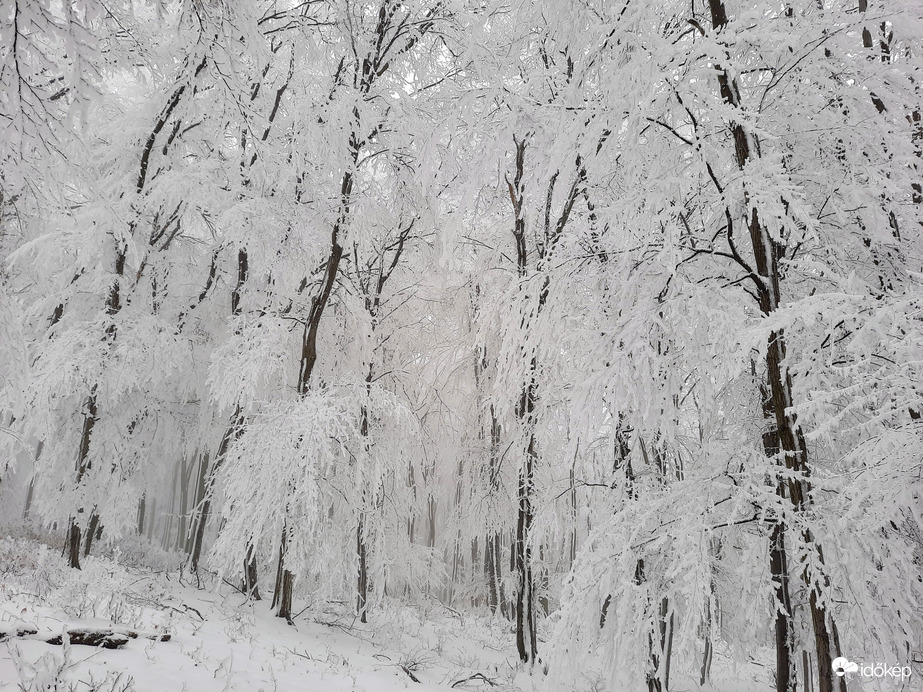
(105, 637)
(18, 631)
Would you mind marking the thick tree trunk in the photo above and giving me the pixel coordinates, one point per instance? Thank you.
(73, 539)
(251, 584)
(94, 530)
(284, 586)
(766, 252)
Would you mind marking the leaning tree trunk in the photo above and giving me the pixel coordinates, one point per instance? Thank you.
(282, 596)
(207, 477)
(777, 406)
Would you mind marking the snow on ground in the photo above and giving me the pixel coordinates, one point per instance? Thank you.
(220, 642)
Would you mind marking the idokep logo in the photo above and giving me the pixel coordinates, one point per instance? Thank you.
(842, 666)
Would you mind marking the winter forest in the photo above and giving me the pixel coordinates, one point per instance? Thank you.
(566, 345)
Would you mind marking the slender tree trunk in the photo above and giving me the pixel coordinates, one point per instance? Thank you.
(180, 538)
(29, 494)
(493, 562)
(363, 577)
(201, 520)
(141, 507)
(282, 599)
(152, 519)
(526, 639)
(362, 581)
(202, 478)
(705, 673)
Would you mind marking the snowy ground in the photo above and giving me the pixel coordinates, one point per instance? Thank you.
(221, 642)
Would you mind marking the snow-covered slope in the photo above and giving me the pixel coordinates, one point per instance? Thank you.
(220, 642)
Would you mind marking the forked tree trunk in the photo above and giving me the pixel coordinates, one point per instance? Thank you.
(526, 639)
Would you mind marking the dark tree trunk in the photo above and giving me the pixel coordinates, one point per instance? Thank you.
(72, 544)
(282, 593)
(790, 441)
(363, 579)
(180, 539)
(372, 66)
(29, 494)
(526, 641)
(251, 584)
(94, 530)
(141, 508)
(201, 520)
(202, 480)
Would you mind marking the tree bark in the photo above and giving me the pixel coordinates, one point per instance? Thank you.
(141, 509)
(73, 540)
(198, 534)
(251, 584)
(766, 252)
(94, 529)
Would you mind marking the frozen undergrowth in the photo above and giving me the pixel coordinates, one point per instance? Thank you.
(221, 643)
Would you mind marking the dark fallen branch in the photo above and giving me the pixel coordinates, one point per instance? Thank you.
(476, 676)
(16, 632)
(409, 673)
(107, 638)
